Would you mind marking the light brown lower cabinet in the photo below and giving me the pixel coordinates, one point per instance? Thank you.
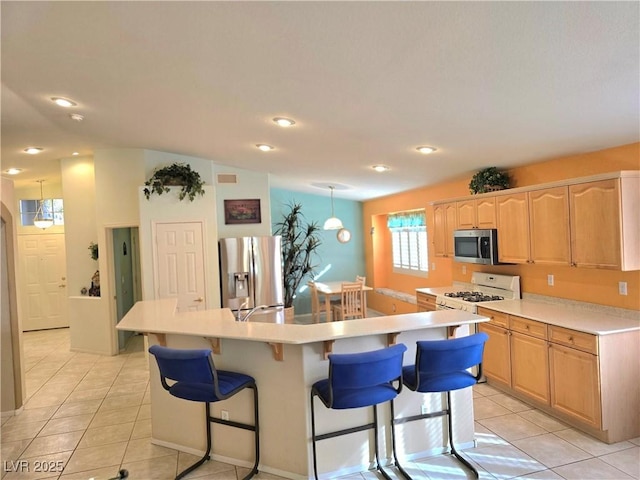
(496, 362)
(426, 302)
(574, 384)
(530, 366)
(589, 381)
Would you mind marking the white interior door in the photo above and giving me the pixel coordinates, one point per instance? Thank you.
(44, 277)
(180, 264)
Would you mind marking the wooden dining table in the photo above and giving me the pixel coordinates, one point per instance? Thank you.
(330, 289)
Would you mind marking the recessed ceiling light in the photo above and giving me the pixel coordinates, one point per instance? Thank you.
(76, 116)
(425, 149)
(380, 168)
(63, 102)
(284, 122)
(33, 150)
(264, 147)
(13, 171)
(75, 154)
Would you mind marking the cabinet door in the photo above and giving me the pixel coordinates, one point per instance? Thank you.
(530, 366)
(467, 214)
(575, 385)
(426, 302)
(439, 230)
(513, 228)
(496, 361)
(549, 226)
(452, 223)
(486, 212)
(595, 224)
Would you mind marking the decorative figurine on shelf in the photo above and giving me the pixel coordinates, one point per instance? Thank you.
(94, 291)
(84, 291)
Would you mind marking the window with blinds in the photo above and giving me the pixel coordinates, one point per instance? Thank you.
(409, 242)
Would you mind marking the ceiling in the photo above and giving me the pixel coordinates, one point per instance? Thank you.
(486, 83)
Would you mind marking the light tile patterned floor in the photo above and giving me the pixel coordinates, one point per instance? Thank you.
(91, 415)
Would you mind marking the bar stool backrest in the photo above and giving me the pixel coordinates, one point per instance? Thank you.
(441, 365)
(354, 377)
(187, 366)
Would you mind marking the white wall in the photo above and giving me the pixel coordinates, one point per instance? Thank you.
(251, 185)
(168, 208)
(79, 196)
(12, 382)
(110, 196)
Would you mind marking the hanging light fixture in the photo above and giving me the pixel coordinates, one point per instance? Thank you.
(333, 222)
(39, 220)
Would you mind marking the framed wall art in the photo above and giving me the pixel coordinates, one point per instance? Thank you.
(242, 211)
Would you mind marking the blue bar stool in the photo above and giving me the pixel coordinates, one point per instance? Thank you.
(441, 366)
(359, 380)
(197, 379)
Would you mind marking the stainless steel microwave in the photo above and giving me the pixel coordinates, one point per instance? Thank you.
(476, 246)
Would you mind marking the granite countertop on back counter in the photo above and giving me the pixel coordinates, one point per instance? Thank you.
(584, 317)
(581, 316)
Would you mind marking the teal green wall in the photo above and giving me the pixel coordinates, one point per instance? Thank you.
(342, 261)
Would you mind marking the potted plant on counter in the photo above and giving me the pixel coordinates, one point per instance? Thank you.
(300, 240)
(176, 174)
(489, 180)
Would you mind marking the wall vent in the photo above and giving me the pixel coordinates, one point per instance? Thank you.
(227, 178)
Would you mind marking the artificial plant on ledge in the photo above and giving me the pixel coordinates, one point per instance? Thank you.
(489, 180)
(300, 240)
(176, 174)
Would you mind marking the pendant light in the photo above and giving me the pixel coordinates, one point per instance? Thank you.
(333, 222)
(39, 220)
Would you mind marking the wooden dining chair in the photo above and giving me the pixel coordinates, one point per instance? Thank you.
(351, 302)
(317, 307)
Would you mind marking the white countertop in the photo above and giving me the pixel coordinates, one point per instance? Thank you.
(575, 318)
(159, 316)
(584, 317)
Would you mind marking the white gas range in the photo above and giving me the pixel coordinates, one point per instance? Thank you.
(486, 287)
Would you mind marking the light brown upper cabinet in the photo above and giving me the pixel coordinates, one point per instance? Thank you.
(444, 224)
(549, 226)
(605, 218)
(477, 213)
(513, 228)
(584, 222)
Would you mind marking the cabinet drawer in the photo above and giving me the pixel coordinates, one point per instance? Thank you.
(528, 327)
(426, 302)
(497, 318)
(572, 338)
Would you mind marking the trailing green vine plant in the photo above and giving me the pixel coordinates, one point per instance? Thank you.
(176, 174)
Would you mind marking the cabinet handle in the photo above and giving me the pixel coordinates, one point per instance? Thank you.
(527, 327)
(571, 339)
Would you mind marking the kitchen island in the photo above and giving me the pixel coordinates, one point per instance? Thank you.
(285, 360)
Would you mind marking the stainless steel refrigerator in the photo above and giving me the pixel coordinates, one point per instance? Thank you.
(251, 273)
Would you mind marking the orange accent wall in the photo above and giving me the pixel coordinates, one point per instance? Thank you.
(582, 284)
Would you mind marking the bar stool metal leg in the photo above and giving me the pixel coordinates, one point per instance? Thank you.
(451, 444)
(206, 456)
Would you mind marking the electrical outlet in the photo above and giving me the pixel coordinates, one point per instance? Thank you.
(433, 265)
(224, 415)
(622, 288)
(424, 409)
(464, 269)
(550, 280)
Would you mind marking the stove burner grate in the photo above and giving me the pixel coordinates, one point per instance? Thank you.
(474, 296)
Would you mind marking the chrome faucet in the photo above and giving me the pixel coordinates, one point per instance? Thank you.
(240, 318)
